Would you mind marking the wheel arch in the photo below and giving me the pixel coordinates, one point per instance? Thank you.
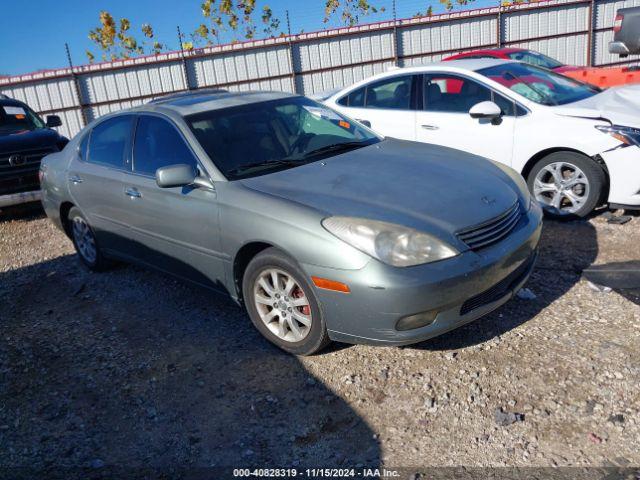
(241, 261)
(65, 208)
(543, 153)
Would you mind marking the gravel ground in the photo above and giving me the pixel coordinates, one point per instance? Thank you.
(132, 368)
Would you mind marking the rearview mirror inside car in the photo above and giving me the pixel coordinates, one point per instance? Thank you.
(485, 109)
(53, 121)
(175, 176)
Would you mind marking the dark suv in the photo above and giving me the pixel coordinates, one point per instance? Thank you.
(24, 140)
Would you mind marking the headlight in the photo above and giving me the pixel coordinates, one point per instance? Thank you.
(519, 181)
(628, 135)
(392, 244)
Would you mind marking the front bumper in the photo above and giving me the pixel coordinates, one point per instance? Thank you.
(623, 165)
(461, 289)
(18, 198)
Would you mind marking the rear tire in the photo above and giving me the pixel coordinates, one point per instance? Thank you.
(282, 304)
(84, 240)
(567, 185)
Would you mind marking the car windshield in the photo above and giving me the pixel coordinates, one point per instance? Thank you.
(535, 58)
(539, 85)
(259, 138)
(17, 119)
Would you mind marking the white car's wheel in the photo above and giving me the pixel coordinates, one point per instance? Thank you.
(567, 184)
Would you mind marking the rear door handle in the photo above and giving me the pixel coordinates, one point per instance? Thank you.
(430, 127)
(75, 179)
(132, 192)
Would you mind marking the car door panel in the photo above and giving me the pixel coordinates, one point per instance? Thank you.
(95, 179)
(445, 119)
(386, 106)
(173, 229)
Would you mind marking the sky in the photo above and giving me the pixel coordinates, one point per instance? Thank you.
(33, 33)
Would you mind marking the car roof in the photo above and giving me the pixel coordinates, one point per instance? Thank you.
(468, 64)
(188, 103)
(488, 51)
(8, 101)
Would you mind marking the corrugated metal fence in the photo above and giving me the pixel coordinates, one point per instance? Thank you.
(576, 32)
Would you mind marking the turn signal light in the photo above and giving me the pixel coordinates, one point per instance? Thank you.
(326, 284)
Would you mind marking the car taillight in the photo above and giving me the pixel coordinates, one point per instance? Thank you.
(617, 23)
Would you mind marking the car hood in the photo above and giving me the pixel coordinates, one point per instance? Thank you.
(29, 140)
(618, 105)
(426, 187)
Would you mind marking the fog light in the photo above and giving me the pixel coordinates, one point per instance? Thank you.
(416, 321)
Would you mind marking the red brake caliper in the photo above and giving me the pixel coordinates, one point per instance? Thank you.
(298, 293)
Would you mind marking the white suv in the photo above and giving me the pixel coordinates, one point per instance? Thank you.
(577, 146)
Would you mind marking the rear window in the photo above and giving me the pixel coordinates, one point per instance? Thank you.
(109, 140)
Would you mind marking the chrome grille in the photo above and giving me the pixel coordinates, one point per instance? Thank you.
(493, 231)
(23, 177)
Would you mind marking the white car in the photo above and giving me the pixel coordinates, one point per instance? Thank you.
(577, 147)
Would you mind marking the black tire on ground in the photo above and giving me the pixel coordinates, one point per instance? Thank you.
(100, 262)
(595, 176)
(272, 258)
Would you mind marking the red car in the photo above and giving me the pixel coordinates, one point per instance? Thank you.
(602, 77)
(519, 54)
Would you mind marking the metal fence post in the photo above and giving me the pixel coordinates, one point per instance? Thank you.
(76, 83)
(499, 25)
(294, 85)
(185, 72)
(590, 34)
(396, 58)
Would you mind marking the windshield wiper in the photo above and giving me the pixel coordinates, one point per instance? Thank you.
(267, 163)
(336, 147)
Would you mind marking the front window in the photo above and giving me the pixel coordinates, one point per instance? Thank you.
(158, 144)
(260, 138)
(535, 58)
(539, 85)
(18, 119)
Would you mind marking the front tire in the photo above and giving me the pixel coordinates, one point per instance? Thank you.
(567, 185)
(84, 240)
(282, 304)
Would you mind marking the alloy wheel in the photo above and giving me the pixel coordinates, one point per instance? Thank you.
(84, 239)
(282, 305)
(561, 187)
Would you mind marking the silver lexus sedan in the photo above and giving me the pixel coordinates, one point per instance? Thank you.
(322, 229)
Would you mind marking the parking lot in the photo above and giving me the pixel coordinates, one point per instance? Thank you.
(133, 368)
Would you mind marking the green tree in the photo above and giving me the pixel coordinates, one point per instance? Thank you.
(116, 41)
(350, 11)
(239, 18)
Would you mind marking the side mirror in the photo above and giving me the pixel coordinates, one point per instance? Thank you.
(175, 176)
(488, 110)
(53, 121)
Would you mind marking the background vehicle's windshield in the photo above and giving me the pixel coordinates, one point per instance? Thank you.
(15, 119)
(539, 85)
(535, 58)
(255, 139)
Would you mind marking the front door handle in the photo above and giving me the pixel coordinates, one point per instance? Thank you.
(75, 179)
(430, 127)
(132, 193)
(366, 123)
